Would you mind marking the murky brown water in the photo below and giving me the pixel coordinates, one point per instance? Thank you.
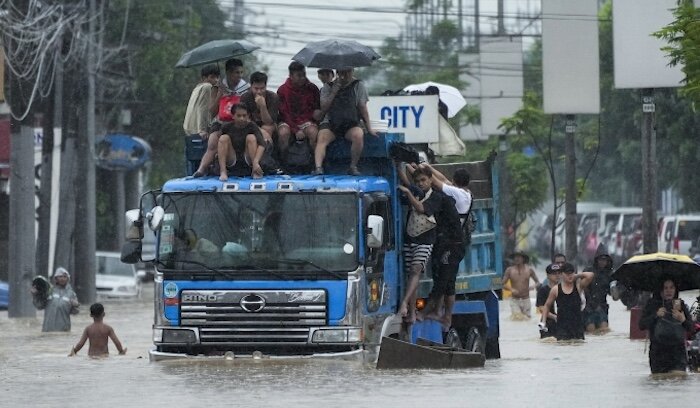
(608, 370)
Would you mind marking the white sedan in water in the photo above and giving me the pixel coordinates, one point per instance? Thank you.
(115, 279)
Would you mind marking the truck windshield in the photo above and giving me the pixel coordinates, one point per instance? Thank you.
(260, 231)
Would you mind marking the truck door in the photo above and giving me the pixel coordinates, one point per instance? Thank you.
(380, 263)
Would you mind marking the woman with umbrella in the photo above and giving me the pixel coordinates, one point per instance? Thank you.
(668, 320)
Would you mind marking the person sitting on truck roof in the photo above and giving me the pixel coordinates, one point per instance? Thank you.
(420, 233)
(449, 248)
(298, 99)
(343, 105)
(326, 76)
(263, 105)
(229, 89)
(240, 145)
(198, 115)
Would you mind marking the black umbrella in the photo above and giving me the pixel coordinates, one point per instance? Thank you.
(646, 272)
(216, 50)
(336, 54)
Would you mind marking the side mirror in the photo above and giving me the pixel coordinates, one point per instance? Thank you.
(375, 231)
(134, 224)
(131, 251)
(155, 218)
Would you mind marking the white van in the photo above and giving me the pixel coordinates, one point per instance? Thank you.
(616, 223)
(677, 233)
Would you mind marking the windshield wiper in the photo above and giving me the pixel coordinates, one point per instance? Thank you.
(257, 268)
(203, 265)
(307, 262)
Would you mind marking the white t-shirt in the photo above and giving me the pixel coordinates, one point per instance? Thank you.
(463, 199)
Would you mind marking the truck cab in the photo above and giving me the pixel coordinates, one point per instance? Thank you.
(303, 265)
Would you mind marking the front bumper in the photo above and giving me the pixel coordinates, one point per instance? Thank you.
(155, 356)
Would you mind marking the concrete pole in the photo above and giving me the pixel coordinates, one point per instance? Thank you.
(570, 223)
(120, 206)
(22, 250)
(85, 209)
(649, 172)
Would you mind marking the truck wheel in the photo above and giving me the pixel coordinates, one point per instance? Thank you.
(474, 341)
(452, 339)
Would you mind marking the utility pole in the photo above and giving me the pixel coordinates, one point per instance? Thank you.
(85, 201)
(571, 190)
(501, 23)
(477, 32)
(649, 172)
(238, 13)
(22, 246)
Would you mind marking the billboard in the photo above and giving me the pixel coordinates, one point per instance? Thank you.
(639, 61)
(570, 61)
(495, 83)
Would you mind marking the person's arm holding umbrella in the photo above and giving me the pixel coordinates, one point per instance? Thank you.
(328, 97)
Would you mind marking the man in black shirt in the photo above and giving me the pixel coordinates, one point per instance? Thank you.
(553, 276)
(241, 142)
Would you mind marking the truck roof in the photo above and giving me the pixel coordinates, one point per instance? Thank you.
(322, 183)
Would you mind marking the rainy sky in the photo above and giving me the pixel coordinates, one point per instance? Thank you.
(283, 27)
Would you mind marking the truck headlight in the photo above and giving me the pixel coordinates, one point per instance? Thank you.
(179, 336)
(157, 335)
(337, 336)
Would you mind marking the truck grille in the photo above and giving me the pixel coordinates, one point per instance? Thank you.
(262, 317)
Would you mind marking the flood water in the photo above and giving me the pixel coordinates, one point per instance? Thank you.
(608, 370)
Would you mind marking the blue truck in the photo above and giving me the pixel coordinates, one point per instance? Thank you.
(304, 265)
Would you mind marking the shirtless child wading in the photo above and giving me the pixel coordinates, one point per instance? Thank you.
(98, 333)
(519, 275)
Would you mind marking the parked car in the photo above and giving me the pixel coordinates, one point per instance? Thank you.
(588, 243)
(615, 224)
(115, 279)
(625, 225)
(4, 295)
(680, 232)
(634, 239)
(666, 226)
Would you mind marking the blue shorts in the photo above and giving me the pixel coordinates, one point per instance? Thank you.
(596, 317)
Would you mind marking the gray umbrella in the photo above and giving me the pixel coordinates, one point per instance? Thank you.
(336, 54)
(216, 50)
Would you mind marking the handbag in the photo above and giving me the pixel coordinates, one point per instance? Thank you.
(669, 332)
(225, 104)
(420, 223)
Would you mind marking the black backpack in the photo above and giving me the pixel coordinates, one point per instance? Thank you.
(299, 157)
(469, 221)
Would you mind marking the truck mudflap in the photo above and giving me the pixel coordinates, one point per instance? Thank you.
(399, 354)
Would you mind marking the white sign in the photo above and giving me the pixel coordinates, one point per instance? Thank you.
(570, 63)
(416, 116)
(639, 61)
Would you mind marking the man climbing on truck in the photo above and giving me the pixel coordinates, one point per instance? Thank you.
(420, 233)
(449, 248)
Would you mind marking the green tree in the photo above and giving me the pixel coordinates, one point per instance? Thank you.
(683, 36)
